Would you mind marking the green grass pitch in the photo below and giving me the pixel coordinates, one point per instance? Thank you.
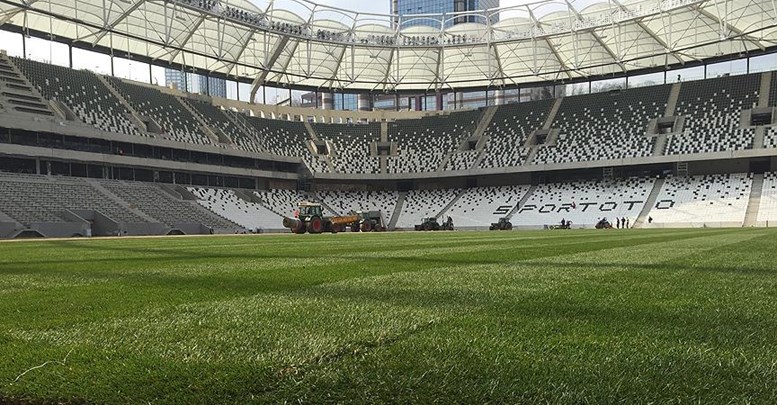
(652, 316)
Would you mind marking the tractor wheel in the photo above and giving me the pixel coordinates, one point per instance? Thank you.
(335, 228)
(315, 225)
(300, 229)
(427, 227)
(366, 226)
(355, 228)
(508, 227)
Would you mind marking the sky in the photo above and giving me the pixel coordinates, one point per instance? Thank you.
(365, 6)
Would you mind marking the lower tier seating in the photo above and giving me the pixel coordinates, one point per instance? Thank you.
(34, 199)
(282, 202)
(480, 206)
(767, 209)
(423, 203)
(165, 208)
(344, 202)
(710, 200)
(226, 203)
(584, 202)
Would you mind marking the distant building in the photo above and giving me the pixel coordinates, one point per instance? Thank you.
(404, 8)
(194, 83)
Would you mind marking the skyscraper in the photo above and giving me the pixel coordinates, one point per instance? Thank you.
(404, 8)
(194, 83)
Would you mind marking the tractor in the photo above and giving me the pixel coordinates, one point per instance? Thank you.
(503, 224)
(369, 221)
(428, 224)
(431, 224)
(603, 224)
(310, 218)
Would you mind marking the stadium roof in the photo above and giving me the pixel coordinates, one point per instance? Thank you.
(303, 44)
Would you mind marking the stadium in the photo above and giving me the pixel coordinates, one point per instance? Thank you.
(193, 195)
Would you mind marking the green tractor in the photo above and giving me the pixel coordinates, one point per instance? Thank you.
(431, 224)
(369, 221)
(428, 224)
(503, 224)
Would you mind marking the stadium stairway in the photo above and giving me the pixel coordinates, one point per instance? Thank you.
(552, 136)
(751, 215)
(133, 115)
(178, 191)
(764, 90)
(105, 192)
(327, 207)
(651, 201)
(241, 124)
(758, 137)
(18, 94)
(674, 95)
(659, 147)
(397, 210)
(523, 200)
(485, 121)
(451, 202)
(314, 136)
(661, 141)
(552, 114)
(216, 138)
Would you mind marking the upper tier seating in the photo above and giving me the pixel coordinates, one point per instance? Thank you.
(423, 143)
(227, 204)
(767, 210)
(175, 120)
(480, 206)
(770, 137)
(605, 126)
(423, 203)
(165, 208)
(709, 200)
(287, 138)
(33, 199)
(461, 160)
(508, 130)
(352, 146)
(584, 202)
(82, 92)
(216, 119)
(712, 110)
(345, 202)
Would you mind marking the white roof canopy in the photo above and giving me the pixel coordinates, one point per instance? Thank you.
(300, 43)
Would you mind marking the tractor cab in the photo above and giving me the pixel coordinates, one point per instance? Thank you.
(309, 209)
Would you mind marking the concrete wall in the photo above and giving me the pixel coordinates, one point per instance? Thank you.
(61, 229)
(129, 229)
(7, 229)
